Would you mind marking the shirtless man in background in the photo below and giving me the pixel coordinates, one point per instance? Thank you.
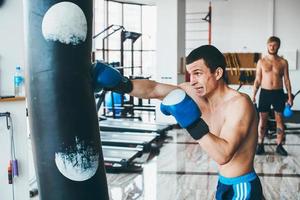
(222, 120)
(272, 72)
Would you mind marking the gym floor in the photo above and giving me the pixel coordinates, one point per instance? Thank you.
(182, 170)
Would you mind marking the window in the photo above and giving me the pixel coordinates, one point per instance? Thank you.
(138, 60)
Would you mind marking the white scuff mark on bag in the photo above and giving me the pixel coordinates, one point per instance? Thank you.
(79, 162)
(65, 22)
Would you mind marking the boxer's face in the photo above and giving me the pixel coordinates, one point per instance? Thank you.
(201, 78)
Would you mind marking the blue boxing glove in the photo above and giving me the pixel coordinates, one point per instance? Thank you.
(108, 78)
(186, 112)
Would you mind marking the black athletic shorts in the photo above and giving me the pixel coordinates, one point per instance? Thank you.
(276, 98)
(243, 187)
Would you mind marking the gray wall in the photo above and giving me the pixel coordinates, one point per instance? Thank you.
(21, 182)
(12, 54)
(170, 45)
(245, 25)
(11, 43)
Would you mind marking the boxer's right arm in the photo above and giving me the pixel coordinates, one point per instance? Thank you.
(186, 112)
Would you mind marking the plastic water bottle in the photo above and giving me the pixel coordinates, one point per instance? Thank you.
(18, 82)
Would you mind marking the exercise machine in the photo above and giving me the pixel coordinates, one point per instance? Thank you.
(134, 126)
(120, 159)
(129, 139)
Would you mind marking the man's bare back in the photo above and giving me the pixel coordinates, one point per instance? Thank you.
(242, 162)
(222, 120)
(230, 103)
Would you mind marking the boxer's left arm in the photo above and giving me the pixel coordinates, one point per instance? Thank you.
(287, 83)
(238, 120)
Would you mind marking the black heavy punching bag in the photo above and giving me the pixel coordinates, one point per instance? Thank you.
(62, 113)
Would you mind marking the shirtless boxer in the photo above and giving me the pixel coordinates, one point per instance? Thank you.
(222, 120)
